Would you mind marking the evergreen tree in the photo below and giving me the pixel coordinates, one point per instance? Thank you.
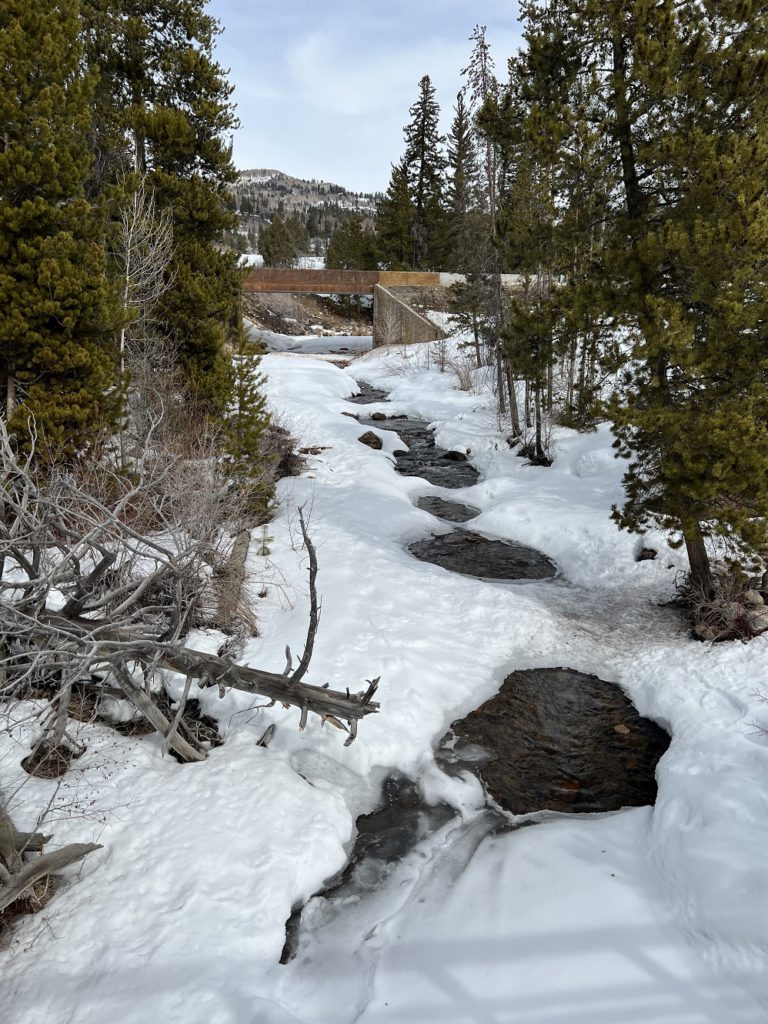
(425, 165)
(483, 89)
(352, 247)
(298, 231)
(278, 244)
(394, 217)
(554, 181)
(245, 427)
(470, 241)
(58, 312)
(462, 191)
(679, 93)
(171, 99)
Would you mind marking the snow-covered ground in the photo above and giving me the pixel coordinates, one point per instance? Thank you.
(255, 259)
(312, 344)
(648, 916)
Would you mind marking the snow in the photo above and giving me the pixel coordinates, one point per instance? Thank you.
(647, 915)
(311, 344)
(251, 259)
(254, 259)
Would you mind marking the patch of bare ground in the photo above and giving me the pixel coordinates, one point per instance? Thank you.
(298, 314)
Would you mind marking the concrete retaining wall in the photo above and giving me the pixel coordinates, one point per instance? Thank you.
(395, 323)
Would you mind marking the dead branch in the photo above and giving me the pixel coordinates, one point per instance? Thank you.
(314, 611)
(147, 707)
(17, 876)
(137, 560)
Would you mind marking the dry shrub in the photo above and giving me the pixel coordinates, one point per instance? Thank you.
(463, 367)
(281, 450)
(725, 613)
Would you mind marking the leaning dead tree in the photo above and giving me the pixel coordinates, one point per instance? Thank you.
(102, 577)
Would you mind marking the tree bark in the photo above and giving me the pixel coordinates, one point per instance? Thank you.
(698, 558)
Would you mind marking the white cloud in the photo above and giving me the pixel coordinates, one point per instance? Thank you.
(331, 102)
(337, 74)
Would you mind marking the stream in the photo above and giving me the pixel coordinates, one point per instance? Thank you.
(551, 740)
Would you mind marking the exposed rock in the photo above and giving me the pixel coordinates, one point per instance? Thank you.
(758, 620)
(455, 456)
(352, 415)
(378, 416)
(646, 555)
(752, 597)
(731, 610)
(371, 439)
(703, 632)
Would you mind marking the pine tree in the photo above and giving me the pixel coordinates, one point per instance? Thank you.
(278, 244)
(352, 247)
(425, 165)
(462, 191)
(246, 424)
(680, 95)
(393, 222)
(298, 231)
(483, 88)
(172, 100)
(58, 312)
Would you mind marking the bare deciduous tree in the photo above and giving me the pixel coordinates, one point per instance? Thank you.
(143, 252)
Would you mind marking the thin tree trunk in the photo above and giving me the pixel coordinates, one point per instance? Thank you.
(513, 409)
(571, 383)
(500, 383)
(10, 393)
(701, 572)
(537, 412)
(476, 333)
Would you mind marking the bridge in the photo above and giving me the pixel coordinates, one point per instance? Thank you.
(394, 321)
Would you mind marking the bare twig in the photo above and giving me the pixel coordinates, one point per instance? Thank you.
(314, 608)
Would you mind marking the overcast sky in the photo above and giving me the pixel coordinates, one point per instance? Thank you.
(323, 87)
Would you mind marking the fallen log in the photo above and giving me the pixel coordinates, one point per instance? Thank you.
(117, 644)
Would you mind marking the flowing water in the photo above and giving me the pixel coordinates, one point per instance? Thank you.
(551, 739)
